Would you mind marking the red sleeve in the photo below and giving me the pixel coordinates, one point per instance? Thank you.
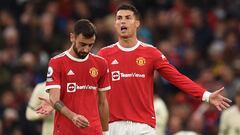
(104, 79)
(53, 75)
(171, 74)
(100, 53)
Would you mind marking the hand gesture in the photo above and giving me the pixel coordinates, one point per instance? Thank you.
(45, 107)
(80, 121)
(219, 101)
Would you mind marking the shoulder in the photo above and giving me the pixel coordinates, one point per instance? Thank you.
(148, 48)
(107, 50)
(57, 58)
(98, 58)
(230, 111)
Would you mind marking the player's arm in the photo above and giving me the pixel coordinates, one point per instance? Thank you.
(58, 105)
(181, 81)
(103, 110)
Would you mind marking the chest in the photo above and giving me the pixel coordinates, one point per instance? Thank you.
(130, 62)
(80, 72)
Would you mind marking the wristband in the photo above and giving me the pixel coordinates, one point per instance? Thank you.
(105, 133)
(206, 96)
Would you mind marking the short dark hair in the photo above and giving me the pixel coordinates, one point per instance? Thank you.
(85, 27)
(127, 6)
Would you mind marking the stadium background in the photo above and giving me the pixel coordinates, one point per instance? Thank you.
(199, 37)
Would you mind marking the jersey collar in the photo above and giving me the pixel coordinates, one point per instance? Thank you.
(128, 49)
(76, 59)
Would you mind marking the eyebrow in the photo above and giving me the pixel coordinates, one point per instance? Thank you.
(86, 43)
(123, 15)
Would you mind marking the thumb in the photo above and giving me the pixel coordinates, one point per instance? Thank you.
(42, 98)
(220, 90)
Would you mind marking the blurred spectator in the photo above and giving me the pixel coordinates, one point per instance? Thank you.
(229, 123)
(161, 115)
(31, 115)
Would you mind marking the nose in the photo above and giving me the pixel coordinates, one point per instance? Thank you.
(86, 49)
(123, 21)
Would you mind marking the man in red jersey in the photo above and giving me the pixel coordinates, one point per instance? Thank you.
(132, 64)
(77, 81)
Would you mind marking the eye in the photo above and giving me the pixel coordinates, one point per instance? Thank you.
(119, 17)
(90, 45)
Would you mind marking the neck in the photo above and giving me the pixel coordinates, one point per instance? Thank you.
(127, 42)
(71, 52)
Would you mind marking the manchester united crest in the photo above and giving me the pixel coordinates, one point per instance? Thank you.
(93, 72)
(140, 61)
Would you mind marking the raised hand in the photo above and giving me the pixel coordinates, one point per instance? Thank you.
(45, 107)
(80, 121)
(219, 101)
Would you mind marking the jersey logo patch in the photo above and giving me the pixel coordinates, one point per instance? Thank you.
(140, 61)
(114, 62)
(50, 72)
(163, 57)
(71, 87)
(93, 72)
(70, 72)
(115, 75)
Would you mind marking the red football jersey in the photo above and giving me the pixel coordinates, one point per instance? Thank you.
(131, 74)
(78, 81)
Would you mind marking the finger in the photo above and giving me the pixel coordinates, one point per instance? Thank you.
(39, 111)
(81, 124)
(225, 104)
(219, 108)
(220, 90)
(223, 107)
(41, 98)
(85, 123)
(38, 108)
(227, 100)
(84, 119)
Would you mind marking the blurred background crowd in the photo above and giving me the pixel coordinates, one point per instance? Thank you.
(199, 37)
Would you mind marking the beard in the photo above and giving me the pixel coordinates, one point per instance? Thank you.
(79, 54)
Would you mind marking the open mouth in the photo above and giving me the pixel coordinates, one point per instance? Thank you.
(123, 28)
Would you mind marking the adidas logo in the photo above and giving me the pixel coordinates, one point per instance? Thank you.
(70, 72)
(114, 62)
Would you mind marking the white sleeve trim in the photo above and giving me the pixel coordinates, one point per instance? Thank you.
(52, 87)
(206, 96)
(105, 133)
(104, 89)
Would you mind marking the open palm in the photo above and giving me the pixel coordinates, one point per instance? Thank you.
(45, 107)
(219, 101)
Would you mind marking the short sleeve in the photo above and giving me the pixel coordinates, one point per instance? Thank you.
(53, 75)
(103, 82)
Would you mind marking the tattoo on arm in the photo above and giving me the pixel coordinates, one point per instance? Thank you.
(58, 106)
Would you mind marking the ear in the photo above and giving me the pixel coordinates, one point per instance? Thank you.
(72, 37)
(137, 23)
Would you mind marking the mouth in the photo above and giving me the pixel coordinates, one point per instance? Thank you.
(123, 28)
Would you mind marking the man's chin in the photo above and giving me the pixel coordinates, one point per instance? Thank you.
(82, 56)
(124, 36)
